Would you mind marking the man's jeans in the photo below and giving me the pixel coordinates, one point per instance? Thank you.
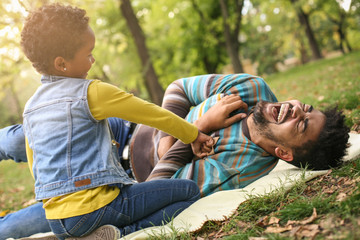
(138, 206)
(24, 222)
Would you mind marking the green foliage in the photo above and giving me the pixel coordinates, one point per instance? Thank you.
(184, 38)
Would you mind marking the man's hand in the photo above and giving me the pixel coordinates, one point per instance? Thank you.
(218, 116)
(202, 145)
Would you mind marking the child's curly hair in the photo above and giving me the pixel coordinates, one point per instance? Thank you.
(52, 31)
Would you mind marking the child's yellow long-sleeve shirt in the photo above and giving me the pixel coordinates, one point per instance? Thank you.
(106, 101)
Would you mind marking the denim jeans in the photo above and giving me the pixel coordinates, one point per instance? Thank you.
(137, 206)
(12, 143)
(24, 222)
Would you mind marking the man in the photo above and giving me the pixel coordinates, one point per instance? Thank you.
(245, 150)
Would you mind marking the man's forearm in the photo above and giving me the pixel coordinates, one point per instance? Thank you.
(175, 158)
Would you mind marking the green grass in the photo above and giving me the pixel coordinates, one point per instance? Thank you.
(16, 186)
(323, 83)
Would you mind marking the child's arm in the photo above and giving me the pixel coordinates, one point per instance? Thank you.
(106, 101)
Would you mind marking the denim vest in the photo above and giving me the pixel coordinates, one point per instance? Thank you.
(72, 151)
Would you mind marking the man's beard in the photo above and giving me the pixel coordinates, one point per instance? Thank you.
(261, 123)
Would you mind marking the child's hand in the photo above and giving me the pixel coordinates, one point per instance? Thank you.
(202, 145)
(219, 116)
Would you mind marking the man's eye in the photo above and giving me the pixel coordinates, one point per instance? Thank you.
(307, 108)
(310, 109)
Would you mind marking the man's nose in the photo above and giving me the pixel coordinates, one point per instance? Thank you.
(297, 111)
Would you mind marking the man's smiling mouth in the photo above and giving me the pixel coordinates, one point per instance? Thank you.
(280, 112)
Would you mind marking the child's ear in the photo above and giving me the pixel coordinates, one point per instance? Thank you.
(59, 64)
(284, 153)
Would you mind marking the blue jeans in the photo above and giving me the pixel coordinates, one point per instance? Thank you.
(12, 143)
(24, 222)
(138, 206)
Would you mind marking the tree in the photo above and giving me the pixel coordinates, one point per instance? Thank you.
(338, 16)
(151, 80)
(304, 21)
(211, 57)
(231, 37)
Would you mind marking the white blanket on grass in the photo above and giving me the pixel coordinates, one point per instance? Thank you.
(222, 205)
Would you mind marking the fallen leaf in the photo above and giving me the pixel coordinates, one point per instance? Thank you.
(310, 219)
(328, 223)
(242, 224)
(305, 221)
(308, 231)
(294, 230)
(341, 197)
(274, 220)
(320, 98)
(264, 221)
(278, 229)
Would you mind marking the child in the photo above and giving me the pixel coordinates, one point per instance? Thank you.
(71, 151)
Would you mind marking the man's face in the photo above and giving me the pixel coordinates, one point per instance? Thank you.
(290, 123)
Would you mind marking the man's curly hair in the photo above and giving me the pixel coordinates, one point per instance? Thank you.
(330, 147)
(52, 31)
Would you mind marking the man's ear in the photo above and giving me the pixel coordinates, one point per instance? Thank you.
(284, 153)
(59, 64)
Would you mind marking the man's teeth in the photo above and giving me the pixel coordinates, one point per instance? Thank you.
(281, 112)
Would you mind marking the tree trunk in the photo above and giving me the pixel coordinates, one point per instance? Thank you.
(231, 39)
(304, 21)
(155, 90)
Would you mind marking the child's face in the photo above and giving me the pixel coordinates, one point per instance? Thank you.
(79, 66)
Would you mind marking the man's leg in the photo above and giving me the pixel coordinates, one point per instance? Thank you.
(12, 143)
(24, 223)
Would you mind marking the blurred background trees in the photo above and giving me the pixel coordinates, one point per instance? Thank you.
(143, 45)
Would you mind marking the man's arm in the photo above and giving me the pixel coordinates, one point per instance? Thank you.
(185, 93)
(180, 154)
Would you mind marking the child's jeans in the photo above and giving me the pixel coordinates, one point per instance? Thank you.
(138, 206)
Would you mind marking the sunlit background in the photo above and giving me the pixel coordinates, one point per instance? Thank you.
(183, 38)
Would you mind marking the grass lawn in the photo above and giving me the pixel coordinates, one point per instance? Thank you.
(335, 196)
(323, 83)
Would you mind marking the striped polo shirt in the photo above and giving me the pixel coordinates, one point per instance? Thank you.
(236, 161)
